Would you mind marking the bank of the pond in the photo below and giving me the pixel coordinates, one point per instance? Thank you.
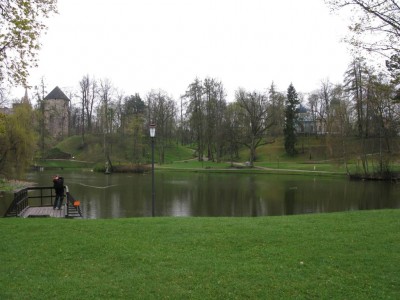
(255, 170)
(281, 167)
(337, 256)
(205, 166)
(12, 185)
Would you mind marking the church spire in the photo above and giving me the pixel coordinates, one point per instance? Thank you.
(25, 99)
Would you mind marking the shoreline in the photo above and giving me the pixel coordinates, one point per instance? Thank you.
(14, 184)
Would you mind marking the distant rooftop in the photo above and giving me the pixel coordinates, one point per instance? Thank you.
(57, 93)
(302, 109)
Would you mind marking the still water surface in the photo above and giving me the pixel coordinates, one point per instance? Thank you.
(236, 195)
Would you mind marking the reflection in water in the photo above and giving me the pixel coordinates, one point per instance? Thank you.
(289, 199)
(198, 194)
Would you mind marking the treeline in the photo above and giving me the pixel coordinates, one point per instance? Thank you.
(363, 109)
(365, 106)
(202, 118)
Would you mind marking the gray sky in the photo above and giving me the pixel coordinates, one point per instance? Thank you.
(165, 44)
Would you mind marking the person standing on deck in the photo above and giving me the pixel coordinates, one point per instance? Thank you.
(58, 183)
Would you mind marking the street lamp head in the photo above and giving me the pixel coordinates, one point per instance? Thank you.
(152, 130)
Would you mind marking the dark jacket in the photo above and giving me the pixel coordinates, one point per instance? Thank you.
(59, 185)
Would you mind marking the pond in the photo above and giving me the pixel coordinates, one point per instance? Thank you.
(222, 195)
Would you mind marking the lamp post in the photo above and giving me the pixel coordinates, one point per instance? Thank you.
(153, 193)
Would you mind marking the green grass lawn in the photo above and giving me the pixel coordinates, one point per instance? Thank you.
(353, 255)
(313, 156)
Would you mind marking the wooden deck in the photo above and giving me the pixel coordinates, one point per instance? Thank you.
(44, 211)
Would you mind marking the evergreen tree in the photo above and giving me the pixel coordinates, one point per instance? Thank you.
(291, 104)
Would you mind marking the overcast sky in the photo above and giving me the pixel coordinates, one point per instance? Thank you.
(165, 44)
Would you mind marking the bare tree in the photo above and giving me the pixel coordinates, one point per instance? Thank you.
(92, 98)
(325, 98)
(384, 124)
(215, 104)
(119, 111)
(106, 92)
(162, 112)
(339, 124)
(375, 24)
(88, 94)
(40, 93)
(276, 111)
(3, 98)
(232, 126)
(375, 28)
(84, 85)
(320, 102)
(313, 104)
(255, 120)
(75, 120)
(196, 115)
(355, 83)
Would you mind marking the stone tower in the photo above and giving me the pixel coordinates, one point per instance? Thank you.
(56, 113)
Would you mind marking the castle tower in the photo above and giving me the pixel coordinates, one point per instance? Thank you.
(56, 113)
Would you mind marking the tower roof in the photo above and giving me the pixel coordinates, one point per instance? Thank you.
(25, 98)
(56, 93)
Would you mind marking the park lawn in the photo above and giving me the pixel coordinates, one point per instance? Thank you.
(350, 255)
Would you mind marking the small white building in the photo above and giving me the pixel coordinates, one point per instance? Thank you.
(309, 124)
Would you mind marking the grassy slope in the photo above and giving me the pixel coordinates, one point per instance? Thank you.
(313, 156)
(93, 150)
(330, 256)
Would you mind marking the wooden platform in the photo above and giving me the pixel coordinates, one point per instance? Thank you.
(37, 202)
(43, 212)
